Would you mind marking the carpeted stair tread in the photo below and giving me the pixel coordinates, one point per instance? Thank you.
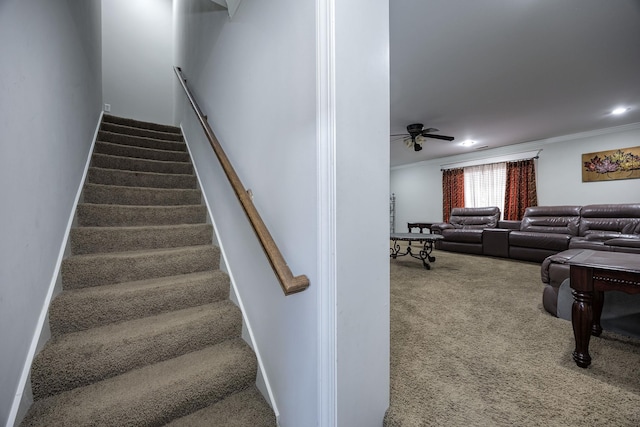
(81, 271)
(79, 309)
(246, 408)
(143, 332)
(143, 165)
(155, 394)
(98, 215)
(81, 358)
(108, 118)
(86, 240)
(143, 141)
(121, 195)
(140, 152)
(127, 178)
(138, 132)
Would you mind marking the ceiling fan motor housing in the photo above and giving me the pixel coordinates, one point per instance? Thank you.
(415, 129)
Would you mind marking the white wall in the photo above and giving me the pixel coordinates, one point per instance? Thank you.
(560, 171)
(418, 187)
(256, 78)
(256, 82)
(362, 197)
(50, 97)
(137, 59)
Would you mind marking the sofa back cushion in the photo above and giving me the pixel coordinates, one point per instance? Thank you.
(551, 219)
(601, 222)
(475, 217)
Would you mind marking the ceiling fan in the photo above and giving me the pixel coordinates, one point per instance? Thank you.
(417, 133)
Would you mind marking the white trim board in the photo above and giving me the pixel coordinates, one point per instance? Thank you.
(326, 227)
(13, 413)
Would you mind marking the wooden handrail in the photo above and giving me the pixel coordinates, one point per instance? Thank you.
(290, 284)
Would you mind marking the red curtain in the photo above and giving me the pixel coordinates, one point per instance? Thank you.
(452, 191)
(520, 189)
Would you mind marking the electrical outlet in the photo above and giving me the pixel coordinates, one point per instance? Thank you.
(107, 107)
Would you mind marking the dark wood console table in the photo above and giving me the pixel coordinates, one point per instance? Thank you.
(591, 274)
(421, 225)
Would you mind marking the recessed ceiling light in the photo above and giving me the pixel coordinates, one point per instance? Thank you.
(467, 143)
(620, 110)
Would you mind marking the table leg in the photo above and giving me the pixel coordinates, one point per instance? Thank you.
(394, 249)
(581, 319)
(425, 254)
(598, 302)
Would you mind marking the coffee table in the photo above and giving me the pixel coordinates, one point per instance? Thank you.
(425, 240)
(591, 274)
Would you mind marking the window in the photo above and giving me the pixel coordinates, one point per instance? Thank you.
(485, 185)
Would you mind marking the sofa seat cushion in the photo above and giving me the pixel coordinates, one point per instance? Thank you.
(463, 235)
(532, 239)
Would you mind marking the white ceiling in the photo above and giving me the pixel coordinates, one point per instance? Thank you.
(509, 71)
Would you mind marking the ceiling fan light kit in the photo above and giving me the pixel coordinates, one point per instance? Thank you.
(417, 133)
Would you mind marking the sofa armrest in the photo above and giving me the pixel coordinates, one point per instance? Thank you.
(438, 228)
(625, 242)
(559, 258)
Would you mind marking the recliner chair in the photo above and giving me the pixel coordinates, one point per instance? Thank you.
(463, 232)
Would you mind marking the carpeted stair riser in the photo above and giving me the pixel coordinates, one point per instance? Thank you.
(140, 141)
(164, 141)
(140, 152)
(107, 118)
(102, 269)
(243, 409)
(144, 133)
(143, 332)
(140, 179)
(113, 195)
(88, 240)
(141, 165)
(94, 215)
(81, 358)
(80, 309)
(155, 394)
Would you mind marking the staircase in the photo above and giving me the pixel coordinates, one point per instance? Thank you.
(143, 333)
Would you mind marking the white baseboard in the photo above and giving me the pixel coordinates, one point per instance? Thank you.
(262, 375)
(40, 326)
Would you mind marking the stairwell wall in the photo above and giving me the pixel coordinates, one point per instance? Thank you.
(50, 99)
(251, 77)
(256, 77)
(137, 54)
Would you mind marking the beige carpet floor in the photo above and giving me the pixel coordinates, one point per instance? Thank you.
(471, 345)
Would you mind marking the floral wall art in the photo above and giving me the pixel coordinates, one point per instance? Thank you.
(623, 163)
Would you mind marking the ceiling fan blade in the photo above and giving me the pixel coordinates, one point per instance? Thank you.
(444, 137)
(400, 134)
